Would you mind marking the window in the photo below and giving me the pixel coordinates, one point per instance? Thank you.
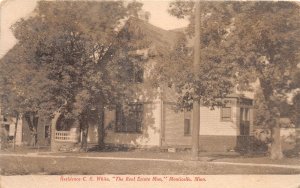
(134, 71)
(47, 131)
(187, 127)
(138, 75)
(129, 118)
(226, 113)
(245, 121)
(245, 128)
(246, 114)
(187, 123)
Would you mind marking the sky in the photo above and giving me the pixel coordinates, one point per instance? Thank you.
(12, 10)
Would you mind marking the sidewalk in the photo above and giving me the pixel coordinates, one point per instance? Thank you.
(201, 160)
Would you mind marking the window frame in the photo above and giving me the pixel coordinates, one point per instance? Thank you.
(187, 117)
(47, 131)
(121, 125)
(189, 132)
(138, 75)
(222, 118)
(245, 121)
(135, 70)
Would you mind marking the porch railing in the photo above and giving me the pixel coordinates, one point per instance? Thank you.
(66, 136)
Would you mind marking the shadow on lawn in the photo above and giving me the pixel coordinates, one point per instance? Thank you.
(292, 153)
(110, 149)
(235, 155)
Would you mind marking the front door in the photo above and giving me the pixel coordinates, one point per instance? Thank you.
(245, 122)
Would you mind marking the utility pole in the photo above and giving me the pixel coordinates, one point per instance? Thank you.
(196, 102)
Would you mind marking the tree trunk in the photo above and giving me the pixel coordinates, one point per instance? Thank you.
(276, 150)
(15, 132)
(101, 129)
(85, 131)
(297, 146)
(32, 121)
(53, 130)
(35, 125)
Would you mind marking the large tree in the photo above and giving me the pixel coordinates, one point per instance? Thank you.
(296, 120)
(21, 89)
(295, 110)
(73, 47)
(268, 35)
(212, 79)
(208, 79)
(260, 38)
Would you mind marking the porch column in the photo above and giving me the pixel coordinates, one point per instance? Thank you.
(53, 130)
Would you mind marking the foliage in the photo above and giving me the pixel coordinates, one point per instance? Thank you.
(295, 114)
(261, 40)
(256, 44)
(64, 58)
(213, 79)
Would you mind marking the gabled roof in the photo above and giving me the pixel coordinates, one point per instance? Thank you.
(159, 39)
(190, 40)
(10, 55)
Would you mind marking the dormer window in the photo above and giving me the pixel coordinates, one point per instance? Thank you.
(135, 72)
(137, 75)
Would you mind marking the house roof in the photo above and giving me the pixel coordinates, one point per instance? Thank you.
(157, 38)
(10, 55)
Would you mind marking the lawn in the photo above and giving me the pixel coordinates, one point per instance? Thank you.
(18, 165)
(186, 155)
(260, 160)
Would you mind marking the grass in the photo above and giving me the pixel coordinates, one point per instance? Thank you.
(26, 149)
(186, 155)
(261, 160)
(71, 165)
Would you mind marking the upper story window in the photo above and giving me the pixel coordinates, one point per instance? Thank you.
(134, 70)
(137, 75)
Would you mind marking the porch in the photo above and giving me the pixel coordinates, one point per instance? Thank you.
(66, 136)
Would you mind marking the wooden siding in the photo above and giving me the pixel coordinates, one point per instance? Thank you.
(211, 124)
(174, 127)
(93, 134)
(19, 131)
(169, 95)
(217, 143)
(215, 135)
(26, 135)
